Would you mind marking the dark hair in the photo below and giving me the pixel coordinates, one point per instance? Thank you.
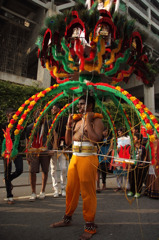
(10, 110)
(89, 99)
(137, 129)
(139, 136)
(106, 128)
(109, 131)
(58, 105)
(120, 129)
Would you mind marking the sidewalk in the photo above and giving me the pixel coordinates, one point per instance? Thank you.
(115, 217)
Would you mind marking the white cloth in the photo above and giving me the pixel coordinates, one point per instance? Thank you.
(120, 182)
(54, 161)
(80, 144)
(151, 170)
(122, 141)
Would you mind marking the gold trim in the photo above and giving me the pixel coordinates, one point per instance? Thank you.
(84, 149)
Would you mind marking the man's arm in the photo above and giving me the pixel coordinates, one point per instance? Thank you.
(68, 133)
(95, 130)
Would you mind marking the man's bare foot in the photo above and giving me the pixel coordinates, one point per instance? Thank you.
(60, 224)
(86, 235)
(64, 223)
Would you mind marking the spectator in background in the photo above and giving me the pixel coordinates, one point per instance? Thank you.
(122, 141)
(136, 174)
(58, 143)
(152, 183)
(104, 161)
(38, 156)
(18, 162)
(135, 130)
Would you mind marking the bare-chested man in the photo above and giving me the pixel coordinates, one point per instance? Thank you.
(87, 129)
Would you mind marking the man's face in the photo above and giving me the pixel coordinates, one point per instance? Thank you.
(120, 133)
(54, 110)
(136, 140)
(10, 115)
(105, 132)
(81, 106)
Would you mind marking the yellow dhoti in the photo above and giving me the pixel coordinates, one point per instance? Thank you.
(81, 177)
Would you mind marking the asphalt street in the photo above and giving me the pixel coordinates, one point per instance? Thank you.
(117, 219)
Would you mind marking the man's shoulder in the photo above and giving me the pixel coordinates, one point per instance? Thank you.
(98, 120)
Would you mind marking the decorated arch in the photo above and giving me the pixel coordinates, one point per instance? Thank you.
(87, 50)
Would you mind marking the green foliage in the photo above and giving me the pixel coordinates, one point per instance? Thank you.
(13, 96)
(117, 115)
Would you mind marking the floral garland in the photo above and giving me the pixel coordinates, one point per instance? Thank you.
(145, 114)
(43, 111)
(58, 115)
(31, 103)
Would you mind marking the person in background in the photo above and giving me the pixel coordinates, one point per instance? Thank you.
(135, 130)
(104, 161)
(122, 141)
(9, 176)
(152, 183)
(38, 157)
(136, 174)
(58, 143)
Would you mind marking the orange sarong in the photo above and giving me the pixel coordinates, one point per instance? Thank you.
(81, 177)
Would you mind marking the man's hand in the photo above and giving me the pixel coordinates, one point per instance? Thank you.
(70, 120)
(89, 116)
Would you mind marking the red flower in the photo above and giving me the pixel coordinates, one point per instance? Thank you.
(136, 101)
(44, 92)
(24, 116)
(129, 95)
(12, 121)
(36, 99)
(143, 106)
(150, 132)
(19, 127)
(154, 121)
(147, 120)
(141, 110)
(150, 113)
(30, 107)
(18, 113)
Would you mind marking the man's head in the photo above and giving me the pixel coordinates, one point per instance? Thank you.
(136, 130)
(138, 138)
(120, 132)
(83, 100)
(56, 108)
(9, 113)
(105, 132)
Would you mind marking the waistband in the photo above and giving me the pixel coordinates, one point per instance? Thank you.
(76, 143)
(84, 151)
